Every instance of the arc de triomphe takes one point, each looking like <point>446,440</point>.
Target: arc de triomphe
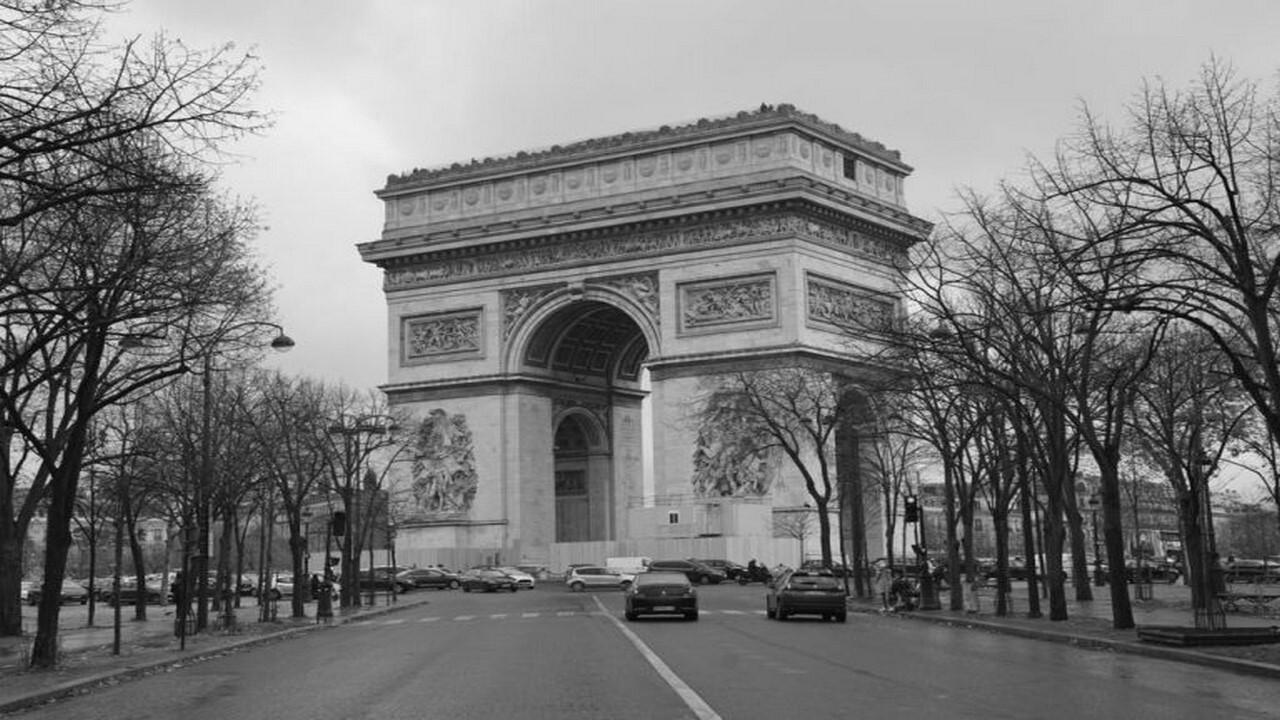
<point>553,317</point>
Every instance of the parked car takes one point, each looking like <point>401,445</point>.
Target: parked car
<point>806,592</point>
<point>730,569</point>
<point>72,592</point>
<point>487,581</point>
<point>430,578</point>
<point>661,593</point>
<point>695,571</point>
<point>524,580</point>
<point>24,593</point>
<point>1241,570</point>
<point>382,577</point>
<point>129,593</point>
<point>283,585</point>
<point>583,577</point>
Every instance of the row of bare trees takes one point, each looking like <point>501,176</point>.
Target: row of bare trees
<point>111,230</point>
<point>1119,303</point>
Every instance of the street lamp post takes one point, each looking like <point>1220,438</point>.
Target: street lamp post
<point>1097,556</point>
<point>280,343</point>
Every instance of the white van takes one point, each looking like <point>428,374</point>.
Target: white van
<point>630,565</point>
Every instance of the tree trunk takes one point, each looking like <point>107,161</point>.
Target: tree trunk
<point>1113,533</point>
<point>58,540</point>
<point>1079,565</point>
<point>953,545</point>
<point>824,531</point>
<point>12,541</point>
<point>1003,586</point>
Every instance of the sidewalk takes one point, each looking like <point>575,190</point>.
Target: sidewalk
<point>1089,624</point>
<point>146,646</point>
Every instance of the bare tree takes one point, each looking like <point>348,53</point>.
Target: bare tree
<point>797,412</point>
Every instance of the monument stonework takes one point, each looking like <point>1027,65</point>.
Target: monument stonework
<point>553,317</point>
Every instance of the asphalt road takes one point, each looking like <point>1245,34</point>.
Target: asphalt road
<point>549,653</point>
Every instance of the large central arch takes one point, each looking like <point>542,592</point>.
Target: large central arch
<point>557,314</point>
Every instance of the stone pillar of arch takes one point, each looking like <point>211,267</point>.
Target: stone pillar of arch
<point>606,284</point>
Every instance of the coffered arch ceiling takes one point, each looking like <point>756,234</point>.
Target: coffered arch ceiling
<point>589,339</point>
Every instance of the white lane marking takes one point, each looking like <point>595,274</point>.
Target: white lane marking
<point>499,616</point>
<point>429,619</point>
<point>733,612</point>
<point>393,622</point>
<point>464,617</point>
<point>691,698</point>
<point>570,613</point>
<point>529,615</point>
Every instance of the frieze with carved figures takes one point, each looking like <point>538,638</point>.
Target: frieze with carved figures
<point>641,243</point>
<point>727,302</point>
<point>846,307</point>
<point>442,336</point>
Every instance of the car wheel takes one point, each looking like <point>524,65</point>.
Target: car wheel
<point>577,587</point>
<point>454,584</point>
<point>781,613</point>
<point>466,588</point>
<point>515,588</point>
<point>693,616</point>
<point>841,617</point>
<point>630,615</point>
<point>770,614</point>
<point>703,579</point>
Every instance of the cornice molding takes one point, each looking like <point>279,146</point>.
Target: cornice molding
<point>766,117</point>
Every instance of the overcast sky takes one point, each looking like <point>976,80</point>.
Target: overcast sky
<point>365,89</point>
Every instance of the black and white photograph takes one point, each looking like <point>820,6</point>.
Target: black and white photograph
<point>633,359</point>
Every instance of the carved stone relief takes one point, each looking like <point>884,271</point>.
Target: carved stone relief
<point>441,335</point>
<point>632,244</point>
<point>518,301</point>
<point>444,472</point>
<point>641,287</point>
<point>847,307</point>
<point>732,301</point>
<point>728,460</point>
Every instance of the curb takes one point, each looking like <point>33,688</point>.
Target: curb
<point>147,667</point>
<point>1123,646</point>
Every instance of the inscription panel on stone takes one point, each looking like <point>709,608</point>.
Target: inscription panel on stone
<point>844,307</point>
<point>437,337</point>
<point>727,304</point>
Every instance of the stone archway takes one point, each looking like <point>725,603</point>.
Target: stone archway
<point>530,297</point>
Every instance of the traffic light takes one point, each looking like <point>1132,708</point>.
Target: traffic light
<point>339,523</point>
<point>911,512</point>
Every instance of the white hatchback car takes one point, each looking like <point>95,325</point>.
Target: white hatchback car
<point>524,580</point>
<point>584,577</point>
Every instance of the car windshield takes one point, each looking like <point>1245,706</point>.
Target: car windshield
<point>662,578</point>
<point>813,582</point>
